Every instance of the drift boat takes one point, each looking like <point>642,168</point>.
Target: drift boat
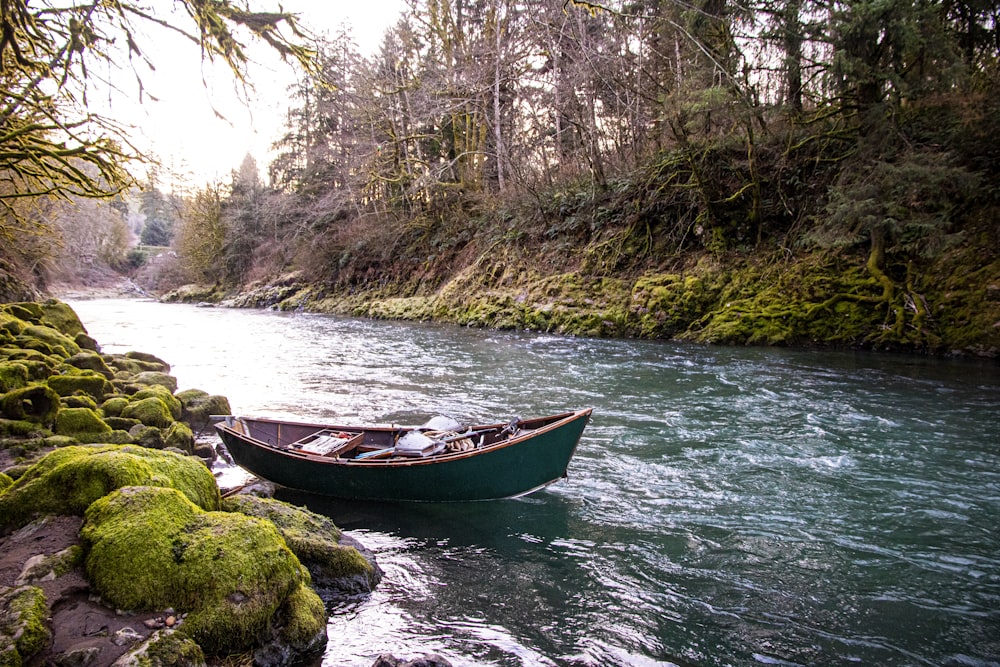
<point>435,462</point>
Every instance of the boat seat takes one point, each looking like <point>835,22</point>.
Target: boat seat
<point>326,442</point>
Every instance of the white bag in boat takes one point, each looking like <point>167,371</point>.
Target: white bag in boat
<point>415,443</point>
<point>442,423</point>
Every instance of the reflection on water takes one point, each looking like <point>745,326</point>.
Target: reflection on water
<point>726,506</point>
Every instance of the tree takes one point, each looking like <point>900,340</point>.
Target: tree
<point>51,55</point>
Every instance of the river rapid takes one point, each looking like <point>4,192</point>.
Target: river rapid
<point>726,506</point>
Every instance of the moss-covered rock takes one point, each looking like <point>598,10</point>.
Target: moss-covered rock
<point>199,406</point>
<point>78,401</point>
<point>147,436</point>
<point>85,342</point>
<point>155,363</point>
<point>121,423</point>
<point>315,539</point>
<point>114,406</point>
<point>151,411</point>
<point>5,481</point>
<point>62,317</point>
<point>35,403</point>
<point>13,375</point>
<point>91,361</point>
<point>84,382</point>
<point>18,427</point>
<point>164,648</point>
<point>179,436</point>
<point>151,548</point>
<point>67,480</point>
<point>74,421</point>
<point>23,624</point>
<point>48,341</point>
<point>163,393</point>
<point>157,378</point>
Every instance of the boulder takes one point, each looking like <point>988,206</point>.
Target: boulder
<point>334,562</point>
<point>163,393</point>
<point>73,421</point>
<point>13,375</point>
<point>150,548</point>
<point>164,648</point>
<point>48,341</point>
<point>151,411</point>
<point>92,361</point>
<point>156,378</point>
<point>199,406</point>
<point>83,382</point>
<point>67,480</point>
<point>114,406</point>
<point>179,436</point>
<point>35,403</point>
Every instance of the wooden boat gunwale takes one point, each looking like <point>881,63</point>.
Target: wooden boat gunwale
<point>558,420</point>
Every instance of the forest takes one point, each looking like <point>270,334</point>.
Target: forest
<point>768,172</point>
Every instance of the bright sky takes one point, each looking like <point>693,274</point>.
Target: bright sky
<point>180,125</point>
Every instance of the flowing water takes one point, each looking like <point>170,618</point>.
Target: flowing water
<point>726,506</point>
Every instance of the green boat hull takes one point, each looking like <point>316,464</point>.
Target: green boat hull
<point>517,466</point>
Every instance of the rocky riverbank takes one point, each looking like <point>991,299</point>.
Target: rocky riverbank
<point>116,546</point>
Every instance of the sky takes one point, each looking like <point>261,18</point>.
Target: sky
<point>181,125</point>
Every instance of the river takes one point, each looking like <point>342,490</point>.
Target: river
<point>727,506</point>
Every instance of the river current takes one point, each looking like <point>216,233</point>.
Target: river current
<point>726,506</point>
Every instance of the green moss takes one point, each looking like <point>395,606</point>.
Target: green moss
<point>18,428</point>
<point>71,421</point>
<point>91,361</point>
<point>165,649</point>
<point>151,411</point>
<point>84,382</point>
<point>147,436</point>
<point>78,401</point>
<point>34,403</point>
<point>121,423</point>
<point>5,481</point>
<point>26,311</point>
<point>62,317</point>
<point>114,406</point>
<point>198,407</point>
<point>154,362</point>
<point>163,393</point>
<point>179,436</point>
<point>67,480</point>
<point>13,375</point>
<point>158,379</point>
<point>150,548</point>
<point>47,340</point>
<point>23,630</point>
<point>314,539</point>
<point>85,342</point>
<point>10,322</point>
<point>303,618</point>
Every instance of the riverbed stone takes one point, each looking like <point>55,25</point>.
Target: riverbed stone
<point>151,548</point>
<point>68,480</point>
<point>47,340</point>
<point>179,436</point>
<point>156,378</point>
